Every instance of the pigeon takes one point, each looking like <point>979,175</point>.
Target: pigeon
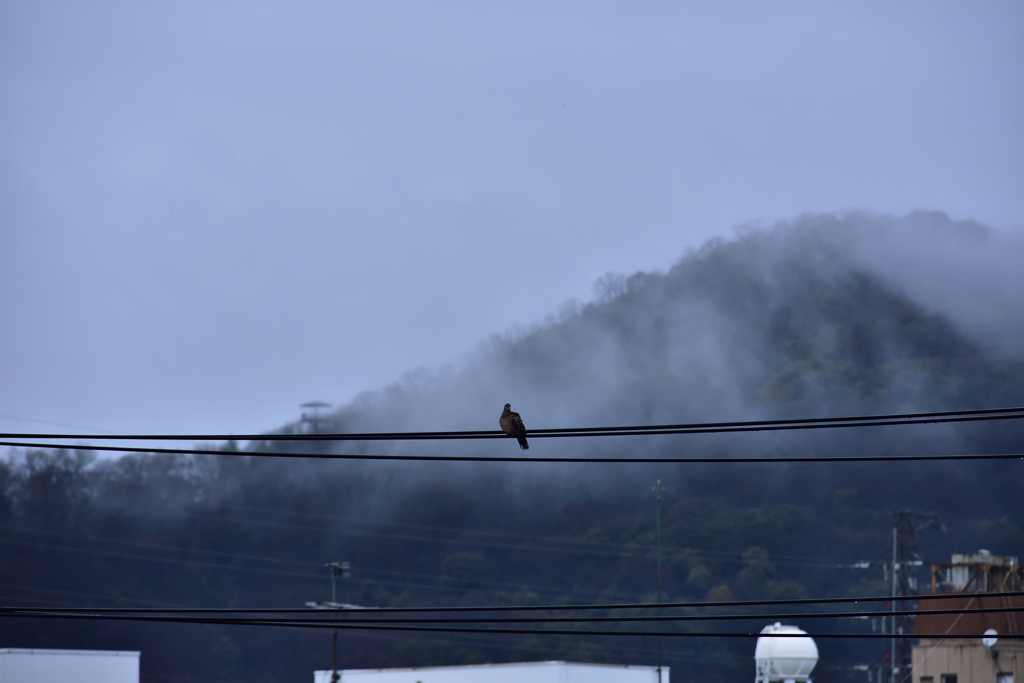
<point>513,425</point>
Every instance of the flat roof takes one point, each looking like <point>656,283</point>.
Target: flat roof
<point>549,662</point>
<point>42,651</point>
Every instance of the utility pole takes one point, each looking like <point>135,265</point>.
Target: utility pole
<point>343,570</point>
<point>658,488</point>
<point>900,572</point>
<point>892,619</point>
<point>903,569</point>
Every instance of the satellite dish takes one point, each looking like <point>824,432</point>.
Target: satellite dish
<point>990,637</point>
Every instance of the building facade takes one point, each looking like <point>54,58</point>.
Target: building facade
<point>956,660</point>
<point>960,656</point>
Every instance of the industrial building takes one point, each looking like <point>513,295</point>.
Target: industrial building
<point>68,666</point>
<point>958,659</point>
<point>533,672</point>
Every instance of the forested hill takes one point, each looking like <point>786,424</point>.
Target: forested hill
<point>824,315</point>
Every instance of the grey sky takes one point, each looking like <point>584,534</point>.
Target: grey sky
<point>210,213</point>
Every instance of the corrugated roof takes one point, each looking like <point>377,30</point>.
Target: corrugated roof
<point>1005,623</point>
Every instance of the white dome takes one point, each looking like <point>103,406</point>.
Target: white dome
<point>784,658</point>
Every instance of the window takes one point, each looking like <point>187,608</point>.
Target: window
<point>948,678</point>
<point>1004,678</point>
<point>927,679</point>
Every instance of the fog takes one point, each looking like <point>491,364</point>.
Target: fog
<point>771,322</point>
<point>212,214</point>
<point>809,317</point>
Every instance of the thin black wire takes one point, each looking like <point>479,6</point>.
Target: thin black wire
<point>452,629</point>
<point>632,430</point>
<point>523,541</point>
<point>487,458</point>
<point>552,608</point>
<point>338,616</point>
<point>669,618</point>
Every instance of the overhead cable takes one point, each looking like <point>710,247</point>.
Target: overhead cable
<point>521,458</point>
<point>562,608</point>
<point>23,613</point>
<point>631,430</point>
<point>339,616</point>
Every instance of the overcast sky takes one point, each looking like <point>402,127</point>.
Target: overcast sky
<point>212,212</point>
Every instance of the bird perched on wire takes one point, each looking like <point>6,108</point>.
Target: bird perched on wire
<point>513,425</point>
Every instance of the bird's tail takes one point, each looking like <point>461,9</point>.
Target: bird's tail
<point>522,443</point>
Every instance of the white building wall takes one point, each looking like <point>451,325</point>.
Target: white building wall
<point>529,672</point>
<point>68,666</point>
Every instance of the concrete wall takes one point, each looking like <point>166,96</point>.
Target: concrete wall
<point>68,666</point>
<point>970,660</point>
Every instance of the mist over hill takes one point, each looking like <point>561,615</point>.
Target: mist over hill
<point>823,315</point>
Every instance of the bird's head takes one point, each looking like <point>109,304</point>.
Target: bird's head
<point>508,406</point>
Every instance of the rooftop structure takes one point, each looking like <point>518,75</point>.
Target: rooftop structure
<point>980,571</point>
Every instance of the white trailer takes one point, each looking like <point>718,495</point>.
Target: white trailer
<point>68,666</point>
<point>525,672</point>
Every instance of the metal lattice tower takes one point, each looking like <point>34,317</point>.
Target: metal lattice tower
<point>313,414</point>
<point>902,575</point>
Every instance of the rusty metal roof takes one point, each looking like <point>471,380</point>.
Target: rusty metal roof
<point>1005,623</point>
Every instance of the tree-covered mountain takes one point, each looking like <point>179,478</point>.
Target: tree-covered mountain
<point>824,315</point>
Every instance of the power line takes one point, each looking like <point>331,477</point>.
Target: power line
<point>199,562</point>
<point>536,608</point>
<point>338,616</point>
<point>677,655</point>
<point>526,542</point>
<point>20,418</point>
<point>631,430</point>
<point>540,459</point>
<point>668,618</point>
<point>493,589</point>
<point>148,545</point>
<point>165,560</point>
<point>452,629</point>
<point>56,592</point>
<point>494,585</point>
